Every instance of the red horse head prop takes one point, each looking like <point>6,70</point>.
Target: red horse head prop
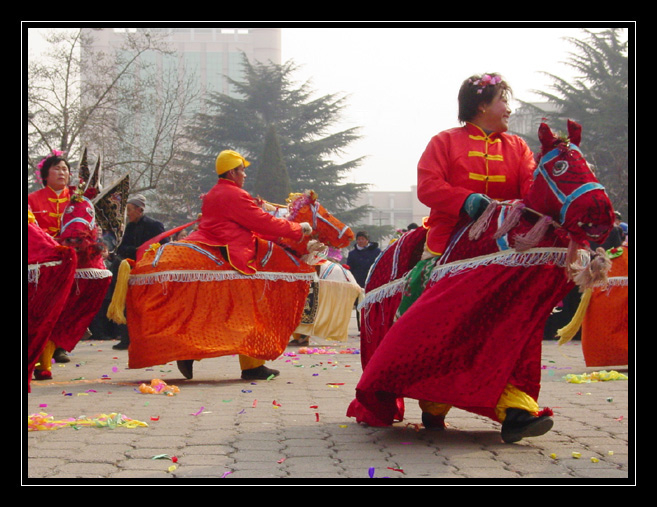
<point>327,229</point>
<point>566,189</point>
<point>79,229</point>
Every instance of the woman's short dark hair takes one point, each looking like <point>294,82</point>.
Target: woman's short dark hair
<point>478,90</point>
<point>48,163</point>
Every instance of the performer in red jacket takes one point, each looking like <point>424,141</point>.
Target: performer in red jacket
<point>232,219</point>
<point>462,168</point>
<point>460,171</point>
<point>48,204</point>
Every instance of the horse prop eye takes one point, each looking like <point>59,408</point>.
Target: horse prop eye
<point>560,167</point>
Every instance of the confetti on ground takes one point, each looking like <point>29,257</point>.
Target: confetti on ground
<point>326,350</point>
<point>158,387</point>
<point>596,376</point>
<point>43,421</point>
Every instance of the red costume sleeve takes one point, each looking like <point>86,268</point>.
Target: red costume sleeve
<point>434,176</point>
<point>461,161</point>
<point>247,214</point>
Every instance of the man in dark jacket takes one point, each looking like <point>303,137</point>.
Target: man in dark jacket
<point>362,257</point>
<point>140,229</point>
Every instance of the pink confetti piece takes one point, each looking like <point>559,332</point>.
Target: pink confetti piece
<point>199,411</point>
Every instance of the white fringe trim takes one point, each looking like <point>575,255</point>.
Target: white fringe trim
<point>383,292</point>
<point>618,281</point>
<point>510,258</point>
<point>217,276</point>
<point>92,274</point>
<point>34,270</point>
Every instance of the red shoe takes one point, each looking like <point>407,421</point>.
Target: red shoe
<point>42,375</point>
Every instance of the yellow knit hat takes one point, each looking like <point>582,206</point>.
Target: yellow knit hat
<point>229,159</point>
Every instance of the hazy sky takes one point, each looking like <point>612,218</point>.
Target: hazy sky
<point>403,82</point>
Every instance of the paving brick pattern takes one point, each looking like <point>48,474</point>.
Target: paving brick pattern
<point>294,427</point>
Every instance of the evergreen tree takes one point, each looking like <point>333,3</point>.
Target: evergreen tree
<point>598,99</point>
<point>266,96</point>
<point>272,182</point>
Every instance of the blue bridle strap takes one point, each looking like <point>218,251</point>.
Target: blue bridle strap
<point>565,200</point>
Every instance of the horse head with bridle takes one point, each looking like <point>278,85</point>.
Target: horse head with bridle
<point>327,229</point>
<point>566,202</point>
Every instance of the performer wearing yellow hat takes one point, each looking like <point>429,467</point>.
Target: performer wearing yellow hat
<point>225,301</point>
<point>231,219</point>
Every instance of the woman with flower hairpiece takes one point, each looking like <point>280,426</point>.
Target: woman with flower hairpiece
<point>461,170</point>
<point>48,204</point>
<point>67,215</point>
<point>464,167</point>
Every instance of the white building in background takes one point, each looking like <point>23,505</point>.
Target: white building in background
<point>398,209</point>
<point>212,53</point>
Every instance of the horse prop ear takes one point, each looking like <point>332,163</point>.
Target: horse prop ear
<point>83,168</point>
<point>574,132</point>
<point>546,137</point>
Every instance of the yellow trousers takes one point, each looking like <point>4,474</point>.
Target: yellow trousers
<point>45,359</point>
<point>247,363</point>
<point>511,397</point>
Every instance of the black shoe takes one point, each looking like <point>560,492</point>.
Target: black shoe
<point>433,422</point>
<point>519,424</point>
<point>60,356</point>
<point>303,339</point>
<point>121,346</point>
<point>186,367</point>
<point>259,373</point>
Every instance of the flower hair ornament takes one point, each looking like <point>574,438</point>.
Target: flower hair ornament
<point>486,80</point>
<point>55,153</point>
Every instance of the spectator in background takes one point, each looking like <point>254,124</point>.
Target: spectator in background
<point>361,258</point>
<point>140,229</point>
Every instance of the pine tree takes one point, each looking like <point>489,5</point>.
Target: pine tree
<point>272,182</point>
<point>598,99</point>
<point>267,96</point>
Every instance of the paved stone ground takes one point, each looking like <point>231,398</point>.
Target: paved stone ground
<point>294,427</point>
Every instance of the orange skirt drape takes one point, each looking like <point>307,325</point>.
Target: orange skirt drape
<point>186,302</point>
<point>605,324</point>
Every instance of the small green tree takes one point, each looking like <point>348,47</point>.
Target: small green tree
<point>272,182</point>
<point>598,99</point>
<point>267,96</point>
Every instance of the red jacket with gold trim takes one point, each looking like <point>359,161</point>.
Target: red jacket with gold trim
<point>48,208</point>
<point>231,218</point>
<point>465,160</point>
